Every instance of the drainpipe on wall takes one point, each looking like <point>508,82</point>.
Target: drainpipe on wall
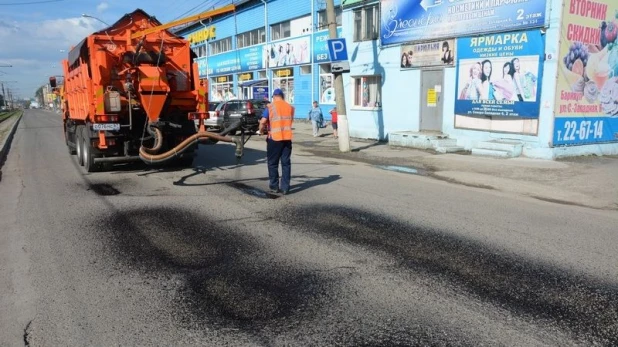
<point>266,38</point>
<point>311,53</point>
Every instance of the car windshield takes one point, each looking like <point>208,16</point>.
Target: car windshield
<point>212,106</point>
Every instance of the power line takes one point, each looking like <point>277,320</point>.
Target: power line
<point>189,11</point>
<point>28,3</point>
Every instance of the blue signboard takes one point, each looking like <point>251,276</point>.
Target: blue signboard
<point>260,92</point>
<point>320,46</point>
<point>245,59</point>
<point>412,20</point>
<point>585,130</point>
<point>500,74</point>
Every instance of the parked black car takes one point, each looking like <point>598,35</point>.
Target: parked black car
<point>248,112</point>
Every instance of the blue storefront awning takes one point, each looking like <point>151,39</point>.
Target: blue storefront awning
<point>253,82</point>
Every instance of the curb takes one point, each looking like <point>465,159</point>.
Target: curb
<point>7,143</point>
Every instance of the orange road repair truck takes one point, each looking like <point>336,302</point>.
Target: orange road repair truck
<point>132,92</point>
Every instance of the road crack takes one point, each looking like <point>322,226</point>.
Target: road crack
<point>27,334</point>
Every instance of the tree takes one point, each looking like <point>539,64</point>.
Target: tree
<point>39,95</point>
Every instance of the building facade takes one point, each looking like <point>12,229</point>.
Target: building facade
<point>542,74</point>
<point>265,45</point>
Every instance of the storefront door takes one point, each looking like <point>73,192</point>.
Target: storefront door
<point>246,93</point>
<point>431,100</point>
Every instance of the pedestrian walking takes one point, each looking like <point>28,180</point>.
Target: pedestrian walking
<point>277,122</point>
<point>333,115</point>
<point>316,118</point>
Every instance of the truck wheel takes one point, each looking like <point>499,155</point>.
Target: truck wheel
<point>79,145</point>
<point>89,164</point>
<point>72,150</point>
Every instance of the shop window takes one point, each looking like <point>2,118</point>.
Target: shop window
<point>221,46</point>
<point>261,74</point>
<point>323,22</point>
<point>280,30</point>
<point>221,88</point>
<point>305,70</point>
<point>284,80</point>
<point>366,23</point>
<point>324,69</point>
<point>327,85</point>
<point>367,91</point>
<point>250,38</point>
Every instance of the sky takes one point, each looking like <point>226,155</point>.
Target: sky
<point>35,35</point>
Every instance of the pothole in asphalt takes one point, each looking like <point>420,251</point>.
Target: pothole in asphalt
<point>402,169</point>
<point>104,189</point>
<point>252,191</point>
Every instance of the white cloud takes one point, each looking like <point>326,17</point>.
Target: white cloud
<point>34,48</point>
<point>102,7</point>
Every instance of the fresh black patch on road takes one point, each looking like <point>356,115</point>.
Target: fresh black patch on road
<point>540,292</point>
<point>229,279</point>
<point>252,190</point>
<point>104,189</point>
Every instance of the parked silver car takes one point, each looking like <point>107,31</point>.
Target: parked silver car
<point>215,118</point>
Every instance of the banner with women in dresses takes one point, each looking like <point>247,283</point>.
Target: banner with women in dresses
<point>500,74</point>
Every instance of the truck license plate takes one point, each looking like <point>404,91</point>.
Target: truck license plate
<point>106,126</point>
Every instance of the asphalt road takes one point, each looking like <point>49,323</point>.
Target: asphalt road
<point>354,256</point>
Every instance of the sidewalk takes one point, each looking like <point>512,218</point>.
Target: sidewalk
<point>583,181</point>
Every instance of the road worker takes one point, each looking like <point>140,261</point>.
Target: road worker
<point>277,122</point>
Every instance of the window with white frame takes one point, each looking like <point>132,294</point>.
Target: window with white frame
<point>251,38</point>
<point>367,23</point>
<point>367,91</point>
<point>280,30</point>
<point>323,21</point>
<point>200,50</point>
<point>305,70</point>
<point>221,46</point>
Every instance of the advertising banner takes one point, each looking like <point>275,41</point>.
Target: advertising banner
<point>320,46</point>
<point>414,20</point>
<point>587,88</point>
<point>500,74</point>
<point>244,59</point>
<point>436,53</point>
<point>289,52</point>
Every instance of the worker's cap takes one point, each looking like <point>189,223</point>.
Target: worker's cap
<point>278,92</point>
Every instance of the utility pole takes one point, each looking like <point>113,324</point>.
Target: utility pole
<point>342,118</point>
<point>3,95</point>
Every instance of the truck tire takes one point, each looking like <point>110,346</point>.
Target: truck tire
<point>88,151</point>
<point>72,150</point>
<point>79,144</point>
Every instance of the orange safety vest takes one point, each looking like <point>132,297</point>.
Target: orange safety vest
<point>280,118</point>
